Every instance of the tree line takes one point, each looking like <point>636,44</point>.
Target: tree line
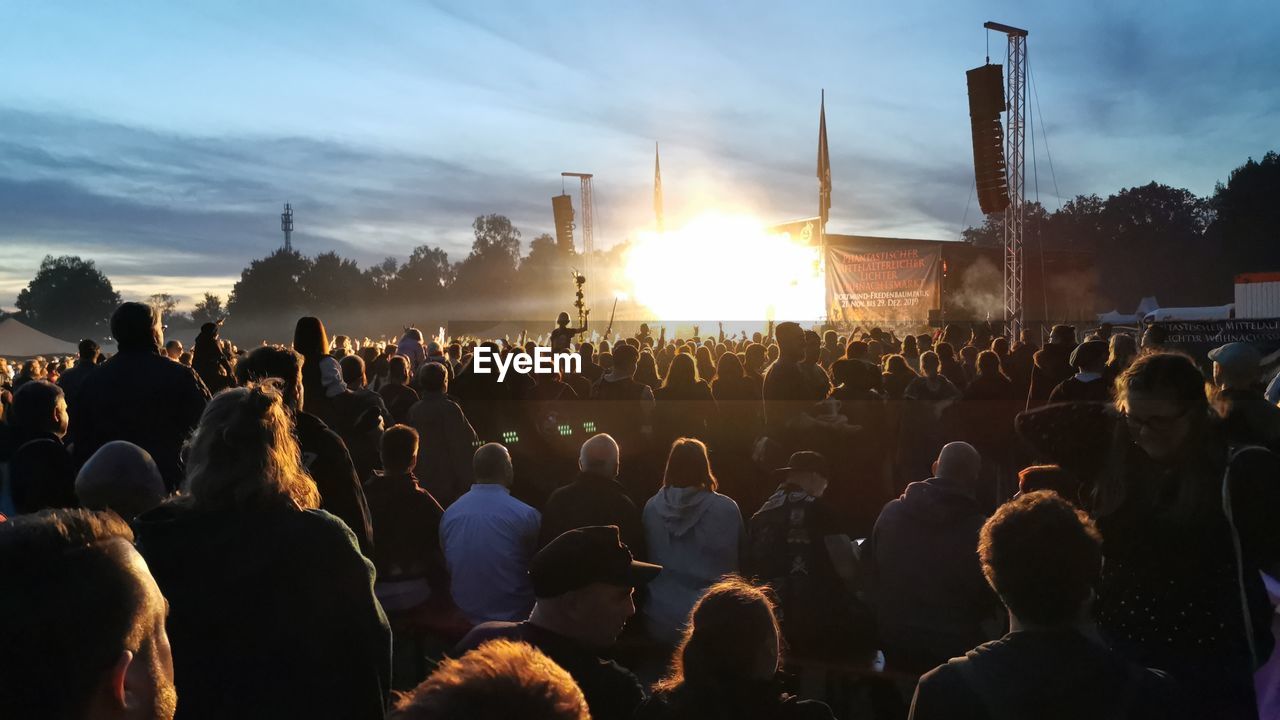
<point>1149,240</point>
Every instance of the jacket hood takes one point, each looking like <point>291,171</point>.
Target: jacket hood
<point>939,501</point>
<point>681,508</point>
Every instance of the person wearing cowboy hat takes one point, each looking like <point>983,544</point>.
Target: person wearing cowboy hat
<point>798,544</point>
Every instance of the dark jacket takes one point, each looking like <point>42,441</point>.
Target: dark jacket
<point>406,529</point>
<point>41,472</point>
<point>612,691</point>
<point>1073,389</point>
<point>325,456</point>
<point>143,397</point>
<point>272,614</point>
<point>399,399</point>
<point>921,565</point>
<point>448,442</point>
<point>1052,366</point>
<point>1052,674</point>
<point>592,500</point>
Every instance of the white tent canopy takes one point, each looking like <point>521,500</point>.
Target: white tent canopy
<point>20,341</point>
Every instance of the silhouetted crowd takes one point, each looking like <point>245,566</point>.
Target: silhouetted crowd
<point>787,525</point>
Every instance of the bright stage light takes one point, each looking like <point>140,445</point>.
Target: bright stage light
<point>725,268</point>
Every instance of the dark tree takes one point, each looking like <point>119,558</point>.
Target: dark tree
<point>271,286</point>
<point>424,276</point>
<point>1248,216</point>
<point>68,298</point>
<point>489,272</point>
<point>333,283</point>
<point>209,309</point>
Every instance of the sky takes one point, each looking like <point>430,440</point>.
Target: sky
<point>161,139</point>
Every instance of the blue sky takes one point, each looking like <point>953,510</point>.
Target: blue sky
<point>161,138</point>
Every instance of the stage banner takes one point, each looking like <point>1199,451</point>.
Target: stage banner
<point>890,281</point>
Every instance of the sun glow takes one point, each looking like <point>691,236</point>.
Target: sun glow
<point>725,268</point>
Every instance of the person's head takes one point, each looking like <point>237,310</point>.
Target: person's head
<point>625,358</point>
<point>1063,335</point>
<point>755,357</point>
<point>1000,345</point>
<point>969,355</point>
<point>310,338</point>
<point>587,350</point>
<point>173,349</point>
<point>605,360</point>
<point>808,471</point>
<point>958,462</point>
<point>1042,557</point>
<point>82,621</point>
<point>1236,366</point>
<point>909,346</point>
<point>89,351</point>
<point>1124,348</point>
<point>584,582</point>
<point>39,407</point>
<point>688,465</point>
<point>562,320</point>
<point>945,352</point>
<point>732,639</point>
<point>989,364</point>
<point>1048,477</point>
<point>1090,356</point>
<point>772,353</point>
<point>1027,337</point>
<point>353,371</point>
<point>929,363</point>
<point>434,378</point>
<point>790,340</point>
<point>491,465</point>
<point>398,370</point>
<point>1162,397</point>
<point>856,350</point>
<point>243,454</point>
<point>121,477</point>
<point>682,373</point>
<point>1104,331</point>
<point>729,367</point>
<point>274,362</point>
<point>1155,336</point>
<point>399,449</point>
<point>136,326</point>
<point>924,341</point>
<point>599,456</point>
<point>499,680</point>
<point>812,346</point>
<point>897,365</point>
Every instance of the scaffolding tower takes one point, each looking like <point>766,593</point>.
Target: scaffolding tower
<point>588,242</point>
<point>1015,167</point>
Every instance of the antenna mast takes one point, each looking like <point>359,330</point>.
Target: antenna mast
<point>286,225</point>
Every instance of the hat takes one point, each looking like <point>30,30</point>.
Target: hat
<point>1237,356</point>
<point>1089,352</point>
<point>584,556</point>
<point>806,461</point>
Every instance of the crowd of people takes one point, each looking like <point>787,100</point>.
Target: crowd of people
<point>786,525</point>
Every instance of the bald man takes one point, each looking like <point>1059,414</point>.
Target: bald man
<point>921,563</point>
<point>488,539</point>
<point>594,497</point>
<point>122,477</point>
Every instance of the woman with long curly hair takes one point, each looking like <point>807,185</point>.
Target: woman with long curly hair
<point>272,605</point>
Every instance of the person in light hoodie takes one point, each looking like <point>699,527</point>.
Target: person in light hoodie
<point>694,532</point>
